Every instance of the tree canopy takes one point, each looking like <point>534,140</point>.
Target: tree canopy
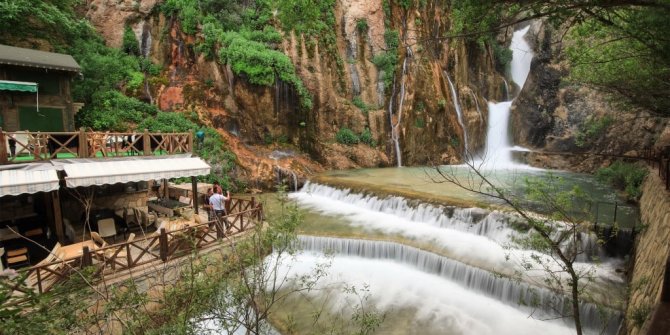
<point>618,46</point>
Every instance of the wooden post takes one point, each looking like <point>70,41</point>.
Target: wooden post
<point>616,206</point>
<point>3,147</point>
<point>58,216</point>
<point>166,186</point>
<point>147,143</point>
<point>194,187</point>
<point>219,228</point>
<point>83,144</point>
<point>163,243</point>
<point>190,142</point>
<point>665,291</point>
<point>253,202</point>
<point>86,257</point>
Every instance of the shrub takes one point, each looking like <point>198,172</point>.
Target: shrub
<point>592,128</point>
<point>627,177</point>
<point>358,102</point>
<point>419,123</point>
<point>366,137</point>
<point>130,44</point>
<point>362,25</point>
<point>347,136</point>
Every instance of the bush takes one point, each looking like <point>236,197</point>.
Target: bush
<point>130,44</point>
<point>358,102</point>
<point>347,136</point>
<point>111,110</point>
<point>592,128</point>
<point>362,25</point>
<point>366,137</point>
<point>627,177</point>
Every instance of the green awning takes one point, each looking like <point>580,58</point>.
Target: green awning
<point>21,86</point>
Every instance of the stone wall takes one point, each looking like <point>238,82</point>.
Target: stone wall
<point>73,209</point>
<point>652,251</point>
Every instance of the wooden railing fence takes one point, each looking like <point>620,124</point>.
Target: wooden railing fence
<point>160,246</point>
<point>39,146</point>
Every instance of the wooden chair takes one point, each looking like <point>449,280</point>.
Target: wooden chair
<point>97,143</point>
<point>107,228</point>
<point>34,232</point>
<point>46,277</point>
<point>185,200</point>
<point>98,240</point>
<point>17,258</point>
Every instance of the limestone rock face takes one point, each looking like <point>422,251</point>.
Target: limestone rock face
<point>258,121</point>
<point>552,117</point>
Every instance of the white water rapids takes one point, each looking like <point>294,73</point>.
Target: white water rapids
<point>471,241</point>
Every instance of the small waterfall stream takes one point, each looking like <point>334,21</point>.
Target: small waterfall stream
<point>506,89</point>
<point>395,126</point>
<point>459,113</point>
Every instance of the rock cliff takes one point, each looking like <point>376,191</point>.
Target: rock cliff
<point>552,115</point>
<point>259,120</point>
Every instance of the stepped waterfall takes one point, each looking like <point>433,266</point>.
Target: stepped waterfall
<point>449,269</point>
<point>460,249</point>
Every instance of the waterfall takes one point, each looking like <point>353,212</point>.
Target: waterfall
<point>510,292</point>
<point>459,113</point>
<point>506,89</point>
<point>498,153</point>
<point>145,40</point>
<point>479,111</point>
<point>395,127</point>
<point>490,224</point>
<point>282,173</point>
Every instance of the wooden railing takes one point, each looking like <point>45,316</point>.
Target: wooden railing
<point>160,246</point>
<point>24,146</point>
<point>663,163</point>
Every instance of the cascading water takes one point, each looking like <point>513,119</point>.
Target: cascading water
<point>506,89</point>
<point>479,111</point>
<point>508,291</point>
<point>395,126</point>
<point>469,241</point>
<point>459,113</point>
<point>498,153</point>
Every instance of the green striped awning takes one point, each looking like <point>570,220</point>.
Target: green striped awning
<point>21,86</point>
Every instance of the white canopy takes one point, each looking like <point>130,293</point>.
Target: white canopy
<point>20,181</point>
<point>123,171</point>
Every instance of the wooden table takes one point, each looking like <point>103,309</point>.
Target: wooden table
<point>76,250</point>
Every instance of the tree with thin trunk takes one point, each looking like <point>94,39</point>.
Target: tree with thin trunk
<point>555,237</point>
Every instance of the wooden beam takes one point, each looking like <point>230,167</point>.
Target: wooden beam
<point>58,216</point>
<point>3,147</point>
<point>194,186</point>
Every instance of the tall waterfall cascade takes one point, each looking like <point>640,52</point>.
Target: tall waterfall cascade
<point>498,153</point>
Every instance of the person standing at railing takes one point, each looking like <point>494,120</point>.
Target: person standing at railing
<point>208,207</point>
<point>218,203</point>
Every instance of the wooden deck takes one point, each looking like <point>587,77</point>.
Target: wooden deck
<point>26,146</point>
<point>179,239</point>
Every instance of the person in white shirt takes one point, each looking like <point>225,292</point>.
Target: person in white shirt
<point>218,204</point>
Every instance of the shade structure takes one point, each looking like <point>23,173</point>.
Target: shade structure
<point>123,171</point>
<point>19,86</point>
<point>18,181</point>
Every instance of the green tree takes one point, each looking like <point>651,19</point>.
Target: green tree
<point>554,238</point>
